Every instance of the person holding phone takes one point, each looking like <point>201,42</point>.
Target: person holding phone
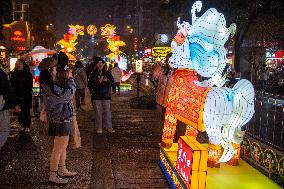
<point>100,83</point>
<point>58,88</point>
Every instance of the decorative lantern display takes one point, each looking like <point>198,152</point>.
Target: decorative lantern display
<point>68,42</point>
<point>76,29</point>
<point>113,40</point>
<point>108,31</point>
<point>198,48</point>
<point>92,31</point>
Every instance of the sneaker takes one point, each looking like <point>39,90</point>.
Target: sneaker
<point>54,178</point>
<point>27,130</point>
<point>22,129</point>
<point>99,131</point>
<point>63,172</point>
<point>111,130</point>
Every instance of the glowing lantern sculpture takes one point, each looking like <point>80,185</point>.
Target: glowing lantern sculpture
<point>92,31</point>
<point>76,29</point>
<point>108,31</point>
<point>198,48</point>
<point>113,40</point>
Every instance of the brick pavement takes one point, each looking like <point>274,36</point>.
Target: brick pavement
<point>125,159</point>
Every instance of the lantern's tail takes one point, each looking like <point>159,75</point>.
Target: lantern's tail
<point>242,96</point>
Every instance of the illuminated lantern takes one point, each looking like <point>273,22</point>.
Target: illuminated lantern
<point>108,31</point>
<point>76,30</point>
<point>198,48</point>
<point>92,30</point>
<point>135,44</point>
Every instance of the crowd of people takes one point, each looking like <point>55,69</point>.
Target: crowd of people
<point>59,84</point>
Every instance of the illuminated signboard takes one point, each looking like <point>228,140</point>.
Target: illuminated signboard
<point>147,52</point>
<point>139,66</point>
<point>18,36</point>
<point>161,51</point>
<point>135,44</point>
<point>184,161</point>
<point>2,55</point>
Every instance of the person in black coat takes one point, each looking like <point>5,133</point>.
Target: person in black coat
<point>22,84</point>
<point>7,101</point>
<point>100,83</point>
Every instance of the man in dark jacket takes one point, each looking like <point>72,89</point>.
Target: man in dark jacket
<point>7,101</point>
<point>100,83</point>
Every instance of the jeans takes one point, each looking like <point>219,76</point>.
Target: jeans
<point>4,126</point>
<point>116,84</point>
<point>103,114</point>
<point>80,97</point>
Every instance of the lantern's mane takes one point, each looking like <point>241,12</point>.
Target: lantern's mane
<point>200,45</point>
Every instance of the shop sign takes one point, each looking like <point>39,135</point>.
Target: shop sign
<point>161,51</point>
<point>147,52</point>
<point>18,36</point>
<point>139,66</point>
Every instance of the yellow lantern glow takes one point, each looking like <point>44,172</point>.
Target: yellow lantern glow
<point>92,30</point>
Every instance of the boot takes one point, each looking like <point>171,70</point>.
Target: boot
<point>56,179</point>
<point>63,172</point>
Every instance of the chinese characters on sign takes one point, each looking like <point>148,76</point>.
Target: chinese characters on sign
<point>161,51</point>
<point>184,161</point>
<point>139,66</point>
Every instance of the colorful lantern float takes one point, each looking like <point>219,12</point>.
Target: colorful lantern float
<point>198,48</point>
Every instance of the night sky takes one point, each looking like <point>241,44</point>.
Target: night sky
<point>83,12</point>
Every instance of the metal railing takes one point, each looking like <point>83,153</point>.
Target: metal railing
<point>267,124</point>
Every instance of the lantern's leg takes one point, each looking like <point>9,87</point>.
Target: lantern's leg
<point>214,154</point>
<point>169,130</point>
<point>191,131</point>
<point>235,159</point>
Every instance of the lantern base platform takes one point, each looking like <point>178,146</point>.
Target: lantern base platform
<point>242,176</point>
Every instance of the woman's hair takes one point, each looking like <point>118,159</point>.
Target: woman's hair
<point>98,59</point>
<point>167,67</point>
<point>62,77</point>
<point>19,60</point>
<point>78,64</point>
<point>46,78</point>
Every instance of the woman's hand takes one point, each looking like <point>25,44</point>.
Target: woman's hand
<point>100,78</point>
<point>105,79</point>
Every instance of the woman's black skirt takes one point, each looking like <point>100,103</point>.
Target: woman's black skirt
<point>60,129</point>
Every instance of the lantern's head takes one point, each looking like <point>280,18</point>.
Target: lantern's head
<point>200,46</point>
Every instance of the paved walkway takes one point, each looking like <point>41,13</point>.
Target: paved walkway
<point>125,159</point>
